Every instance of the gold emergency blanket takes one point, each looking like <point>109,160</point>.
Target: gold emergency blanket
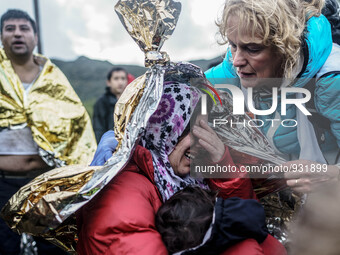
<point>39,204</point>
<point>59,122</point>
<point>46,206</point>
<point>149,23</point>
<point>53,198</point>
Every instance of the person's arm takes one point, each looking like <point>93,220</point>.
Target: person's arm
<point>234,184</point>
<point>308,178</point>
<point>240,219</point>
<point>121,219</point>
<point>251,246</point>
<point>229,183</point>
<point>105,149</point>
<point>327,101</point>
<point>304,175</point>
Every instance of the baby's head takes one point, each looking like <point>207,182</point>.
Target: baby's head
<point>184,219</point>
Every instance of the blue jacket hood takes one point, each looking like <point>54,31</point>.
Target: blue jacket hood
<point>317,45</point>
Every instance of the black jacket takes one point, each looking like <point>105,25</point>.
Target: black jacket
<point>103,113</point>
<point>235,220</point>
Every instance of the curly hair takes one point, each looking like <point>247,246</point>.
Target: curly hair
<point>184,219</point>
<point>279,23</point>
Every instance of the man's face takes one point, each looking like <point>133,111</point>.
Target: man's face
<point>118,82</point>
<point>18,37</point>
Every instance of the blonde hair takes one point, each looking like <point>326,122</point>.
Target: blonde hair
<point>279,23</point>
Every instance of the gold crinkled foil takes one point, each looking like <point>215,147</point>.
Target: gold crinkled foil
<point>149,23</point>
<point>281,208</point>
<point>45,207</point>
<point>59,122</point>
<point>37,207</point>
<point>126,105</point>
<point>279,201</point>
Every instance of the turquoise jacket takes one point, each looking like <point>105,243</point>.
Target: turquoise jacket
<point>322,59</point>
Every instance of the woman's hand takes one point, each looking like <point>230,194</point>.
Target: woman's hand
<point>306,176</point>
<point>208,139</point>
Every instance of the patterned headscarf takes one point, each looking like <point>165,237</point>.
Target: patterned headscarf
<point>162,134</point>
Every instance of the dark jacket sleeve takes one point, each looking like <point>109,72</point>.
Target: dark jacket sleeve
<point>239,219</point>
<point>99,119</point>
<point>236,220</point>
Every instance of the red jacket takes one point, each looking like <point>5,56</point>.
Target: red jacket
<point>121,218</point>
<point>241,186</point>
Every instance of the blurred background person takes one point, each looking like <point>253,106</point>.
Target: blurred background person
<point>116,81</point>
<point>318,227</point>
<point>43,123</point>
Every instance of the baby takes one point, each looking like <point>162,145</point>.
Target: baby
<point>195,221</point>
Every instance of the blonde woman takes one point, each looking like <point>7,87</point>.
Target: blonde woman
<point>287,39</point>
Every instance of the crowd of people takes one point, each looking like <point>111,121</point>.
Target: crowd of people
<point>154,206</point>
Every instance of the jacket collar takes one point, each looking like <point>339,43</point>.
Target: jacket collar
<point>108,92</point>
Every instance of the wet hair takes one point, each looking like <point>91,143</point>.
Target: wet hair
<point>278,23</point>
<point>115,69</point>
<point>184,219</point>
<point>17,14</point>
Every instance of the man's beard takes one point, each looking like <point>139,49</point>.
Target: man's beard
<point>19,52</point>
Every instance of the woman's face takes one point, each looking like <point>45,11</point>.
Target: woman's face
<point>252,60</point>
<point>185,151</point>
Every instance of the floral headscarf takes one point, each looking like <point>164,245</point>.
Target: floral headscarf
<point>162,134</point>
